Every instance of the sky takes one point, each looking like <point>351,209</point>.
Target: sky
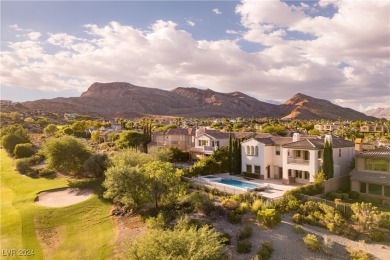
<point>269,49</point>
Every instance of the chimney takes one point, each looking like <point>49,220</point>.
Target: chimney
<point>358,145</point>
<point>328,138</point>
<point>296,137</point>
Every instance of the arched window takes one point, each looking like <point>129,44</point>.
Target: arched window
<point>256,151</point>
<point>252,150</point>
<point>248,150</point>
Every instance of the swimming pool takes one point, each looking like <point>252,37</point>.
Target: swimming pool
<point>244,185</point>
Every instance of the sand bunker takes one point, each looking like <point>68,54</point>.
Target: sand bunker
<point>63,197</point>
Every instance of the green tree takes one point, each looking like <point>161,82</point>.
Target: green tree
<point>129,139</point>
<point>95,136</point>
<point>314,132</point>
<point>182,242</point>
<point>131,158</point>
<point>50,129</point>
<point>68,131</point>
<point>327,166</point>
<point>163,181</point>
<point>15,116</point>
<point>97,164</point>
<point>24,150</point>
<point>66,154</point>
<point>127,185</point>
<point>9,142</point>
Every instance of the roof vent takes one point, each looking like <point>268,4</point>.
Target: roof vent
<point>296,137</point>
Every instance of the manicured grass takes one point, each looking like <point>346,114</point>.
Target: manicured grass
<point>80,231</point>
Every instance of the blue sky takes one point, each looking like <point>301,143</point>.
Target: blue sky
<point>336,50</point>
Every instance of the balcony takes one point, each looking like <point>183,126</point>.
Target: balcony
<point>209,149</point>
<point>291,160</point>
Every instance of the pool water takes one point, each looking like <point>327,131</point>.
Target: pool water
<point>238,184</point>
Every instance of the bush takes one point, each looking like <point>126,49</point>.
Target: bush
<point>201,202</point>
<point>96,164</point>
<point>269,217</point>
<point>384,221</point>
<point>256,206</point>
<point>158,222</point>
<point>9,142</point>
<point>243,208</point>
<point>230,204</point>
<point>226,237</point>
<point>298,229</point>
<point>298,218</point>
<point>265,251</point>
<point>234,217</point>
<point>24,150</point>
<point>312,243</point>
<point>44,172</point>
<point>244,246</point>
<point>376,235</point>
<point>245,233</point>
<point>23,166</point>
<point>354,195</point>
<point>251,175</point>
<point>356,254</point>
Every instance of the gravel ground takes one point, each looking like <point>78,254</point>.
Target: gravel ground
<point>289,245</point>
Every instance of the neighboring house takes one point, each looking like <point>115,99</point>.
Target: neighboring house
<point>183,138</point>
<point>371,176</point>
<point>302,159</point>
<point>207,141</point>
<point>372,128</point>
<point>327,127</point>
<point>70,116</point>
<point>262,155</point>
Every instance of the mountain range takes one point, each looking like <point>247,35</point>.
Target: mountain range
<point>379,112</point>
<point>120,99</point>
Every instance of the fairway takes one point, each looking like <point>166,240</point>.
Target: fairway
<point>81,231</point>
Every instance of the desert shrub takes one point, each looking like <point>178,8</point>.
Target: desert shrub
<point>269,217</point>
<point>24,150</point>
<point>44,172</point>
<point>243,208</point>
<point>298,229</point>
<point>265,251</point>
<point>256,206</point>
<point>237,198</point>
<point>366,215</point>
<point>23,166</point>
<point>201,202</point>
<point>334,195</point>
<point>244,246</point>
<point>230,204</point>
<point>226,237</point>
<point>245,233</point>
<point>96,164</point>
<point>327,246</point>
<point>219,210</point>
<point>376,235</point>
<point>353,195</point>
<point>308,189</point>
<point>312,243</point>
<point>157,222</point>
<point>234,217</point>
<point>35,159</point>
<point>297,218</point>
<point>384,221</point>
<point>356,254</point>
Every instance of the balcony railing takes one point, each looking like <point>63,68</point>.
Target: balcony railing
<point>209,149</point>
<point>297,161</point>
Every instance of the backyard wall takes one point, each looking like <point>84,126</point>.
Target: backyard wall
<point>337,183</point>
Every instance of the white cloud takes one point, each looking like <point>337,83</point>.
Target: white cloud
<point>190,23</point>
<point>16,27</point>
<point>34,36</point>
<point>216,11</point>
<point>164,56</point>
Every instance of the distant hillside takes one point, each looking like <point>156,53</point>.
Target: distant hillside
<point>119,99</point>
<point>379,113</point>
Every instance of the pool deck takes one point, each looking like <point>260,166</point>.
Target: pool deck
<point>275,188</point>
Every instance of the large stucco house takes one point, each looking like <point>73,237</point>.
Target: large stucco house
<point>371,176</point>
<point>293,159</point>
<point>183,138</point>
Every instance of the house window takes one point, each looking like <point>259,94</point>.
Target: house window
<point>339,152</point>
<point>257,169</point>
<point>249,168</point>
<point>256,151</point>
<point>376,165</point>
<point>277,150</point>
<point>380,165</point>
<point>319,154</point>
<point>202,142</point>
<point>363,187</point>
<point>299,174</point>
<point>289,173</point>
<point>387,191</point>
<point>307,175</point>
<point>248,152</point>
<point>252,150</point>
<point>212,143</point>
<point>298,153</point>
<point>306,155</point>
<point>375,189</point>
